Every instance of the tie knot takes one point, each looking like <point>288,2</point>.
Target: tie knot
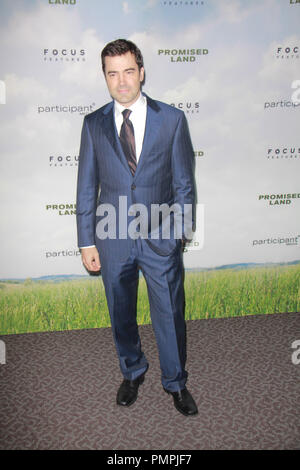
<point>126,113</point>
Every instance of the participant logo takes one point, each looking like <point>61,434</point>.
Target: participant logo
<point>279,241</point>
<point>282,104</point>
<point>72,109</point>
<point>61,253</point>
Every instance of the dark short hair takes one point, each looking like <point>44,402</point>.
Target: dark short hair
<point>120,47</point>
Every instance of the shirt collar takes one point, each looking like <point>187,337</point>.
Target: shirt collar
<point>138,104</point>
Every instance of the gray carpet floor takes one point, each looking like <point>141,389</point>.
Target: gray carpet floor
<point>58,390</point>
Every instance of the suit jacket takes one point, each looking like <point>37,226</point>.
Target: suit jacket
<point>164,175</point>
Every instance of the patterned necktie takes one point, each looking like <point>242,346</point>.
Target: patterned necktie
<point>128,141</point>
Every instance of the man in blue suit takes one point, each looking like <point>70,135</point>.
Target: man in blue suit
<point>137,152</point>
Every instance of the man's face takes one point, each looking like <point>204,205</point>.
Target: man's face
<point>123,78</point>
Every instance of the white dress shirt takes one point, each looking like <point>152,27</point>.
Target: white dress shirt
<point>138,118</point>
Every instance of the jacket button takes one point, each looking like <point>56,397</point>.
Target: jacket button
<point>133,186</point>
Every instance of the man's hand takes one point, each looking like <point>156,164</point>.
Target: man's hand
<point>90,258</point>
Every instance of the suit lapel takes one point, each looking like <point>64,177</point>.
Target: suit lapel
<point>109,128</point>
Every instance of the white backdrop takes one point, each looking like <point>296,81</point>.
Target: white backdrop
<point>230,65</point>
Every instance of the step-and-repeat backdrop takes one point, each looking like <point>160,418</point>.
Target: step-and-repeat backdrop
<point>232,66</point>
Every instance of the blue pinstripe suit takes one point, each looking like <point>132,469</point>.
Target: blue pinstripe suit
<point>164,174</point>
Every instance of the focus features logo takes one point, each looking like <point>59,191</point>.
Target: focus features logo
<point>63,160</point>
<point>64,55</point>
<point>189,107</point>
<point>182,3</point>
<point>287,52</point>
<point>283,152</point>
<point>62,2</point>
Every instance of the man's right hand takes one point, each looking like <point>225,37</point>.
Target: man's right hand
<point>90,258</point>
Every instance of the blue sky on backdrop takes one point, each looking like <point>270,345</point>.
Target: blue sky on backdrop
<point>231,84</point>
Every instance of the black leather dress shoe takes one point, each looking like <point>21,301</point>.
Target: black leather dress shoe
<point>128,391</point>
<point>184,402</point>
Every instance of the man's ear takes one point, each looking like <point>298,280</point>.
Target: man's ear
<point>142,74</point>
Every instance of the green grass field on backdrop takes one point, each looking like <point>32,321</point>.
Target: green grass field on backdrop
<point>33,306</point>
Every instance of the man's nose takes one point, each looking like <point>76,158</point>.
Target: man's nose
<point>122,80</point>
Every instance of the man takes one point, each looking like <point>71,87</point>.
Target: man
<point>138,152</point>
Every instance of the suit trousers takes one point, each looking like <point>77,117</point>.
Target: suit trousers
<point>164,279</point>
